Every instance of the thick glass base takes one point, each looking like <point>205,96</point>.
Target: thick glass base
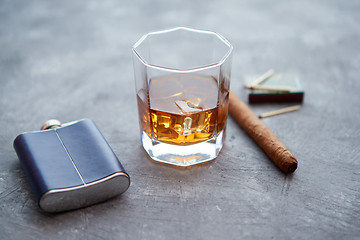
<point>183,155</point>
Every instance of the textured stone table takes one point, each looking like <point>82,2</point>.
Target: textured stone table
<point>72,59</point>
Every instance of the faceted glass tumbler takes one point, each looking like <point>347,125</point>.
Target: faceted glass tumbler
<point>182,79</point>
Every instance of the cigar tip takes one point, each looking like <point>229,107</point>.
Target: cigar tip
<point>292,167</point>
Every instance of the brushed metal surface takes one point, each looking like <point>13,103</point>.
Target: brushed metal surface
<point>57,200</point>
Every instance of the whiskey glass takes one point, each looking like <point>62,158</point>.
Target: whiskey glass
<point>182,80</point>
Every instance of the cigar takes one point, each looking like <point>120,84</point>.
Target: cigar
<point>262,135</point>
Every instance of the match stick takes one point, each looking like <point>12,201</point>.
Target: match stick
<point>280,111</point>
<point>262,135</point>
<point>263,77</point>
<point>270,88</point>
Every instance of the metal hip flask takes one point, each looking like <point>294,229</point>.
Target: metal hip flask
<point>70,165</point>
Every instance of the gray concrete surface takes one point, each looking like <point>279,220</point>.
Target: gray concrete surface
<point>72,59</point>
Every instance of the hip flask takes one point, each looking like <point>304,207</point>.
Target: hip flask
<point>70,165</point>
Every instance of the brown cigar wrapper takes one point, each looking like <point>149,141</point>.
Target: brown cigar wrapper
<point>262,135</point>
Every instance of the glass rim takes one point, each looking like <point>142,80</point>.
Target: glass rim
<point>208,66</point>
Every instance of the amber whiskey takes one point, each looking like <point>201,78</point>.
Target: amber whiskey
<point>182,109</point>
